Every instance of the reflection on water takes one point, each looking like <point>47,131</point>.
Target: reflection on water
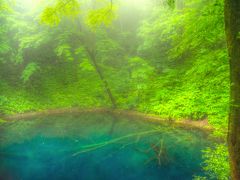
<point>98,146</point>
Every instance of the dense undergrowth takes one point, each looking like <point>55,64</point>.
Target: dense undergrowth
<point>176,66</point>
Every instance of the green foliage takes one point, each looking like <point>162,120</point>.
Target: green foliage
<point>52,15</point>
<point>64,51</point>
<point>176,66</point>
<point>199,178</point>
<point>4,6</point>
<point>4,48</point>
<point>135,76</point>
<point>6,51</point>
<point>29,70</point>
<point>171,3</point>
<point>3,102</point>
<point>101,16</point>
<point>104,14</point>
<point>192,79</point>
<point>216,163</point>
<point>2,121</point>
<point>85,65</point>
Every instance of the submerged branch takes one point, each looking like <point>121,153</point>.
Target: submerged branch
<point>92,147</point>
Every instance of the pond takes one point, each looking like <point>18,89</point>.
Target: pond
<point>100,146</point>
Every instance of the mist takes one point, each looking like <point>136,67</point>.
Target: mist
<point>122,89</point>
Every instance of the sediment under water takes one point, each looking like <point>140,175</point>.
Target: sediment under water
<point>98,146</point>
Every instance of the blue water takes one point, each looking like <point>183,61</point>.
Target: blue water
<point>98,146</point>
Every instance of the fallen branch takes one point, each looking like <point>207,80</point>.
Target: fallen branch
<point>93,147</point>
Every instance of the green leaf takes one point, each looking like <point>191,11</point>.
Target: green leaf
<point>29,70</point>
<point>86,65</point>
<point>102,16</point>
<point>53,15</point>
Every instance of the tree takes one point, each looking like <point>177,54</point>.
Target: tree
<point>232,25</point>
<point>96,17</point>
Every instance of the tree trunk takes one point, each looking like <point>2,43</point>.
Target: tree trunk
<point>105,83</point>
<point>89,43</point>
<point>232,25</point>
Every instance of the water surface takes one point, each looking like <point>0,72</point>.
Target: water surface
<point>102,146</point>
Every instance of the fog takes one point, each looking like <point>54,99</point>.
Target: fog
<point>161,63</point>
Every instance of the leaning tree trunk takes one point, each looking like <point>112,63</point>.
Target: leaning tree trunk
<point>104,81</point>
<point>232,23</point>
<point>89,40</point>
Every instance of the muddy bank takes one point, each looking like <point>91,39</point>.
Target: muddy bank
<point>203,124</point>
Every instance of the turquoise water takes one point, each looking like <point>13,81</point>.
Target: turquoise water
<point>98,146</point>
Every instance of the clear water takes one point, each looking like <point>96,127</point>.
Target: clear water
<point>99,147</point>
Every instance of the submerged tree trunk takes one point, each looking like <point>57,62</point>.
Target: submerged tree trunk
<point>232,23</point>
<point>104,81</point>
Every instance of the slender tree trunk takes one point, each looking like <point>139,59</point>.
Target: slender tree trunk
<point>105,83</point>
<point>89,42</point>
<point>232,23</point>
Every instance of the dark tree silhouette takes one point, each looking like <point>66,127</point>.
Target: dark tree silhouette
<point>232,23</point>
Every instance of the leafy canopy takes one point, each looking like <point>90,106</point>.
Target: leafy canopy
<point>52,15</point>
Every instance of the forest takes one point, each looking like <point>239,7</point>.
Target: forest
<point>177,61</point>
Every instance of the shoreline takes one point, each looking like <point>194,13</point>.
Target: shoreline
<point>201,124</point>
